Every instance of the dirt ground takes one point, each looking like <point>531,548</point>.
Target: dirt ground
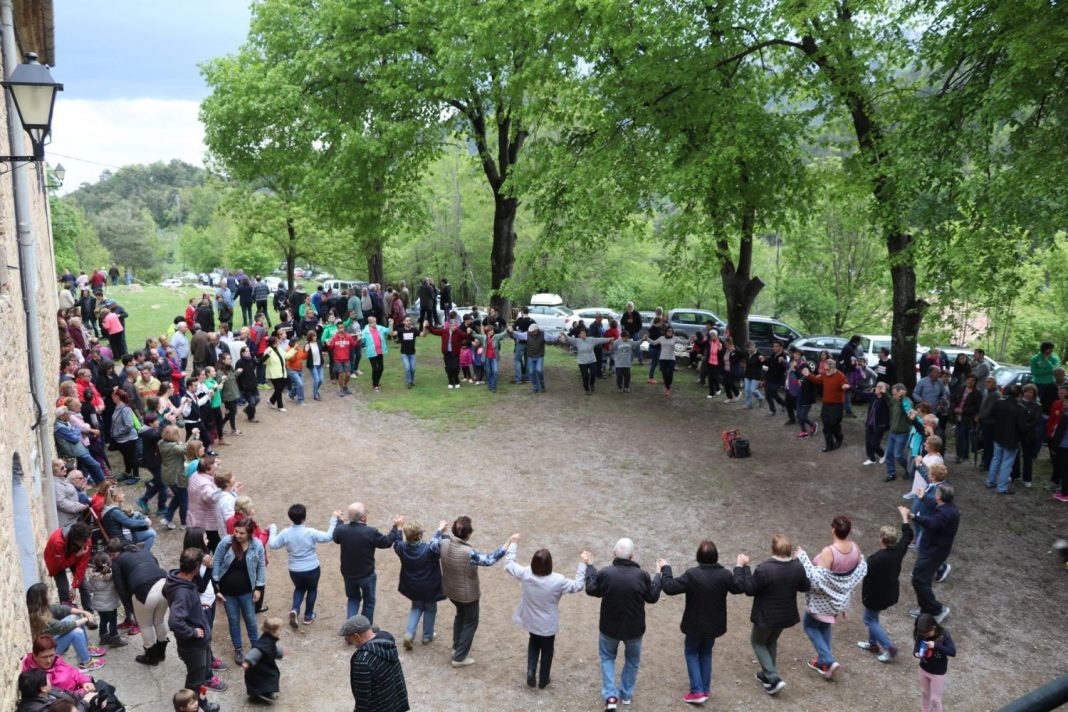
<point>571,473</point>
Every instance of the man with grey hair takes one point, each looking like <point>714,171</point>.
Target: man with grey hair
<point>631,322</point>
<point>358,543</point>
<point>834,385</point>
<point>180,342</point>
<point>932,390</point>
<point>624,589</point>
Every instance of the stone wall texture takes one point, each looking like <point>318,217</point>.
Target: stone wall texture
<point>18,415</point>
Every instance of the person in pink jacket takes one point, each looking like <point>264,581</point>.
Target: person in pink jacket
<point>203,499</point>
<point>61,675</point>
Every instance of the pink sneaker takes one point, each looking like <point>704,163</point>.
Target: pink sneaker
<point>97,652</point>
<point>133,630</point>
<point>695,698</point>
<point>93,664</point>
<point>1060,497</point>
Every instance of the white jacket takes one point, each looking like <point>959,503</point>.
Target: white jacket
<point>538,611</point>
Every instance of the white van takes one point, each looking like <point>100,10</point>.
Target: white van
<point>338,285</point>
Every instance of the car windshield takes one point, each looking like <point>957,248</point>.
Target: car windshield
<point>565,311</point>
<point>1005,375</point>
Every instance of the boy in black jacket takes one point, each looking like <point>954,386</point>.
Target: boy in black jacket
<point>881,588</point>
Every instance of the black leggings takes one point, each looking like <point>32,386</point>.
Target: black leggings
<point>589,375</point>
<point>376,370</point>
<point>129,456</point>
<point>543,645</point>
<point>279,386</point>
<point>452,369</point>
<point>231,415</point>
<point>667,370</point>
<point>218,421</point>
<point>205,432</point>
<point>730,387</point>
<point>712,376</point>
<point>622,376</point>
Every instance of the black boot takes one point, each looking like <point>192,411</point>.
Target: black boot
<point>151,657</point>
<point>161,650</point>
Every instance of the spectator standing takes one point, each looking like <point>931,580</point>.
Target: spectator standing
<point>375,672</point>
<point>624,589</point>
<point>1009,427</point>
<point>1043,364</point>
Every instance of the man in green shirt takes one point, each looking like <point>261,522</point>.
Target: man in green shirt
<point>1042,366</point>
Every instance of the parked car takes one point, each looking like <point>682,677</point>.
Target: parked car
<point>342,284</point>
<point>1007,376</point>
<point>273,282</point>
<point>952,352</point>
<point>811,346</point>
<point>173,283</point>
<point>587,314</point>
<point>764,331</point>
<point>188,276</point>
<point>325,276</point>
<point>687,322</point>
<point>550,317</point>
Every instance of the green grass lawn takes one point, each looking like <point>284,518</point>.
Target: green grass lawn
<point>152,309</point>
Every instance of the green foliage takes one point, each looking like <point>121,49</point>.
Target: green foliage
<point>76,244</point>
<point>165,190</point>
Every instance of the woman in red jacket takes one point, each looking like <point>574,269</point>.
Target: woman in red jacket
<point>69,550</point>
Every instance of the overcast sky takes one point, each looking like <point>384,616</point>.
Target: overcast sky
<point>131,83</point>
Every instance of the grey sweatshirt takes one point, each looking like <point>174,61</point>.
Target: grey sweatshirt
<point>584,347</point>
<point>622,351</point>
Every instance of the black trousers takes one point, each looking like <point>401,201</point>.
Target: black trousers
<point>231,414</point>
<point>730,386</point>
<point>129,456</point>
<point>831,415</point>
<point>667,370</point>
<point>261,308</point>
<point>923,574</point>
<point>622,376</point>
<point>376,370</point>
<point>279,386</point>
<point>712,375</point>
<point>543,646</point>
<point>774,391</point>
<point>463,629</point>
<point>251,399</point>
<point>791,407</point>
<point>197,665</point>
<point>452,368</point>
<point>589,375</point>
<point>873,443</point>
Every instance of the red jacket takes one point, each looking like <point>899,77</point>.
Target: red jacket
<point>458,336</point>
<point>190,314</point>
<point>832,387</point>
<point>56,559</point>
<point>98,402</point>
<point>1056,412</point>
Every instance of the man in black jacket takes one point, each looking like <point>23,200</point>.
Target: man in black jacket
<point>705,617</point>
<point>191,628</point>
<point>1009,426</point>
<point>624,589</point>
<point>631,322</point>
<point>375,672</point>
<point>775,378</point>
<point>244,294</point>
<point>774,586</point>
<point>358,543</point>
<point>427,307</point>
<point>939,531</point>
<point>881,587</point>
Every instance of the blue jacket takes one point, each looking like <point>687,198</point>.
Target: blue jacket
<point>369,343</point>
<point>420,576</point>
<point>255,561</point>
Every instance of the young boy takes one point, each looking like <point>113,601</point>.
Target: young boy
<point>881,588</point>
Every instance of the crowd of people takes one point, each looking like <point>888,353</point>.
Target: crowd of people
<point>167,408</point>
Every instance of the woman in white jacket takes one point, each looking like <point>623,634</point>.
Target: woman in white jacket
<point>538,611</point>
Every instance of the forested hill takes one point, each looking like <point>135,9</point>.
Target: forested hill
<point>157,188</point>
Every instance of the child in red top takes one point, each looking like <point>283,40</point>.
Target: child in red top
<point>341,345</point>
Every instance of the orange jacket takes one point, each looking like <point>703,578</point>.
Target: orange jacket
<point>832,387</point>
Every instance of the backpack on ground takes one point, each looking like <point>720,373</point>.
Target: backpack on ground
<point>734,444</point>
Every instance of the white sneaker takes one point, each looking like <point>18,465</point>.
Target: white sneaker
<point>168,524</point>
<point>1027,485</point>
<point>463,663</point>
<point>882,460</point>
<point>868,462</point>
<point>282,410</point>
<point>450,386</point>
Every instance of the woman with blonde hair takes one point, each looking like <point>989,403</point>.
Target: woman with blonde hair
<point>118,519</point>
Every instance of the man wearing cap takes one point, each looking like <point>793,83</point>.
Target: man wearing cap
<point>375,672</point>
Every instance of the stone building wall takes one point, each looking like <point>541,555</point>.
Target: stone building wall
<point>22,520</point>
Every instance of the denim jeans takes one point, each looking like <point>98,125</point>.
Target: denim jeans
<point>361,589</point>
<point>409,367</point>
<point>296,385</point>
<point>752,390</point>
<point>91,468</point>
<point>148,537</point>
<point>804,422</point>
<point>305,583</point>
<point>820,635</point>
<point>156,488</point>
<point>1001,467</point>
<point>520,352</point>
<point>179,503</point>
<point>638,351</point>
<point>654,358</point>
<point>964,439</point>
<point>428,611</point>
<point>698,653</point>
<point>876,634</point>
<point>317,379</point>
<point>492,366</point>
<point>78,638</point>
<point>895,452</point>
<point>608,648</point>
<point>536,371</point>
<point>238,607</point>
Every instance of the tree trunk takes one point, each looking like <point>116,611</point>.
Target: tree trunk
<point>502,254</point>
<point>375,266</point>
<point>291,253</point>
<point>740,288</point>
<point>908,310</point>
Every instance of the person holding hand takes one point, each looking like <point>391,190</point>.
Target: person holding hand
<point>420,578</point>
<point>835,384</point>
<point>705,616</point>
<point>188,622</point>
<point>539,607</point>
<point>304,569</point>
<point>881,588</point>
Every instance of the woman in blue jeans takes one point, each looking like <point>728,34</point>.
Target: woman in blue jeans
<point>420,579</point>
<point>304,569</point>
<point>64,623</point>
<point>239,567</point>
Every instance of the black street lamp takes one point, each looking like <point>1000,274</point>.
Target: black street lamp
<point>34,93</point>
